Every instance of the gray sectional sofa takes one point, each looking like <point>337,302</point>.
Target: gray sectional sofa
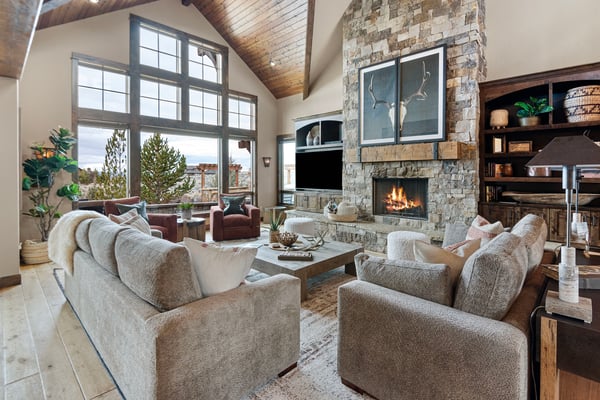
<point>416,342</point>
<point>136,298</point>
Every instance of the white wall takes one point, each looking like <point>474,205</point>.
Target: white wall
<point>539,35</point>
<point>9,176</point>
<point>46,81</point>
<point>326,69</point>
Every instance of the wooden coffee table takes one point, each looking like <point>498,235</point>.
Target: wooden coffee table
<point>329,256</point>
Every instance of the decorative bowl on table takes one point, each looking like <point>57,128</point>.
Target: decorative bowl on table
<point>287,239</point>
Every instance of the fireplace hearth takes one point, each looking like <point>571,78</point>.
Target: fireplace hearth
<point>400,197</point>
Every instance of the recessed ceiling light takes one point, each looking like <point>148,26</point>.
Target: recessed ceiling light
<point>94,1</point>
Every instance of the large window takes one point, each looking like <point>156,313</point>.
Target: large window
<point>103,88</point>
<point>204,62</point>
<point>242,112</point>
<point>173,85</point>
<point>205,107</point>
<point>159,49</point>
<point>159,99</point>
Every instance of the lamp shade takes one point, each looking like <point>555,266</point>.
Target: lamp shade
<point>577,151</point>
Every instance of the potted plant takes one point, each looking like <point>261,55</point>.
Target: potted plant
<point>186,210</point>
<point>274,229</point>
<point>529,111</point>
<point>41,172</point>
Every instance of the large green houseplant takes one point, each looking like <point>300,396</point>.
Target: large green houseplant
<point>40,177</point>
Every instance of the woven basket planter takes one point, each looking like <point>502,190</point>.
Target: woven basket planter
<point>582,104</point>
<point>33,252</point>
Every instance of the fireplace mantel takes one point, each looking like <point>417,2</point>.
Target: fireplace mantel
<point>449,150</point>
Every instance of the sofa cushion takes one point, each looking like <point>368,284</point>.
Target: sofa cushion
<point>219,269</point>
<point>492,277</point>
<point>454,233</point>
<point>156,270</point>
<point>532,230</point>
<point>427,281</point>
<point>482,228</point>
<point>429,253</point>
<point>140,207</point>
<point>133,219</point>
<point>103,235</point>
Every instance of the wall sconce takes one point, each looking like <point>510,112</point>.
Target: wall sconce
<point>267,162</point>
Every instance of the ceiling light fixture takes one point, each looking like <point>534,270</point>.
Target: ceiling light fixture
<point>94,1</point>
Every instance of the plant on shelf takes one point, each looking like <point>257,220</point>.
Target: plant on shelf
<point>41,174</point>
<point>529,111</point>
<point>186,210</point>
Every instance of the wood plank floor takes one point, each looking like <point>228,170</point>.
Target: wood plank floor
<point>46,354</point>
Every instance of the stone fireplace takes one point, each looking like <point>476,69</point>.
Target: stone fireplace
<point>379,30</point>
<point>400,197</point>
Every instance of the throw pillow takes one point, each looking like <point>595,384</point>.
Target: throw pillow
<point>482,228</point>
<point>427,281</point>
<point>140,207</point>
<point>133,219</point>
<point>234,205</point>
<point>492,277</point>
<point>431,254</point>
<point>219,269</point>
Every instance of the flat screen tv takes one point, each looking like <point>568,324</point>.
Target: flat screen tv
<point>319,170</point>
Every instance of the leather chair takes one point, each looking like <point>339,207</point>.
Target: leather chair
<point>234,226</point>
<point>165,223</point>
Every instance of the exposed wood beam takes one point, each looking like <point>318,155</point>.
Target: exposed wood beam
<point>310,21</point>
<point>18,19</point>
<point>52,4</point>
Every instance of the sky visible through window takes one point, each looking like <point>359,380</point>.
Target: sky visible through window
<point>92,144</point>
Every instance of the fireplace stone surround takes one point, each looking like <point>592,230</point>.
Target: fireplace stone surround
<point>380,30</point>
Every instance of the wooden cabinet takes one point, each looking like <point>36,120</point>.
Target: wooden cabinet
<point>316,201</point>
<point>504,152</point>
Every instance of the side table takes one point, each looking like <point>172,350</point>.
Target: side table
<point>569,352</point>
<point>192,228</point>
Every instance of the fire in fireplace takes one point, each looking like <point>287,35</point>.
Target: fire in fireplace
<point>402,197</point>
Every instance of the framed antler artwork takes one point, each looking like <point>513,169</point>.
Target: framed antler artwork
<point>404,100</point>
<point>422,96</point>
<point>378,103</point>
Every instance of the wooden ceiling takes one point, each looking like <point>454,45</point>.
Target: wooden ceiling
<point>273,37</point>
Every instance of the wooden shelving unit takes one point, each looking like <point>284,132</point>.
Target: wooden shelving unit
<point>502,94</point>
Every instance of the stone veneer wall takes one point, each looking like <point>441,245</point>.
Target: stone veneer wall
<point>379,30</point>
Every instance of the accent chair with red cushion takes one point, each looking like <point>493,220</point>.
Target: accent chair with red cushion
<point>234,219</point>
<point>165,223</point>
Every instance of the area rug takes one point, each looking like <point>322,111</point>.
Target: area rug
<point>316,376</point>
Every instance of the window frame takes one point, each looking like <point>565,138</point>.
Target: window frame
<point>135,122</point>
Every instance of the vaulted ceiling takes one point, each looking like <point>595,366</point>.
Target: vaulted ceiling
<point>273,37</point>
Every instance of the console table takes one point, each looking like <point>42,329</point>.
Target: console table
<point>569,352</point>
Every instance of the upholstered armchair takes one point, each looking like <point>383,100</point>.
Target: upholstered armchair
<point>232,218</point>
<point>165,223</point>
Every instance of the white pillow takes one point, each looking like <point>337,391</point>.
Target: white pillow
<point>219,269</point>
<point>429,253</point>
<point>133,219</point>
<point>482,228</point>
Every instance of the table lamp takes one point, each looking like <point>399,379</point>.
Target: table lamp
<point>568,153</point>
